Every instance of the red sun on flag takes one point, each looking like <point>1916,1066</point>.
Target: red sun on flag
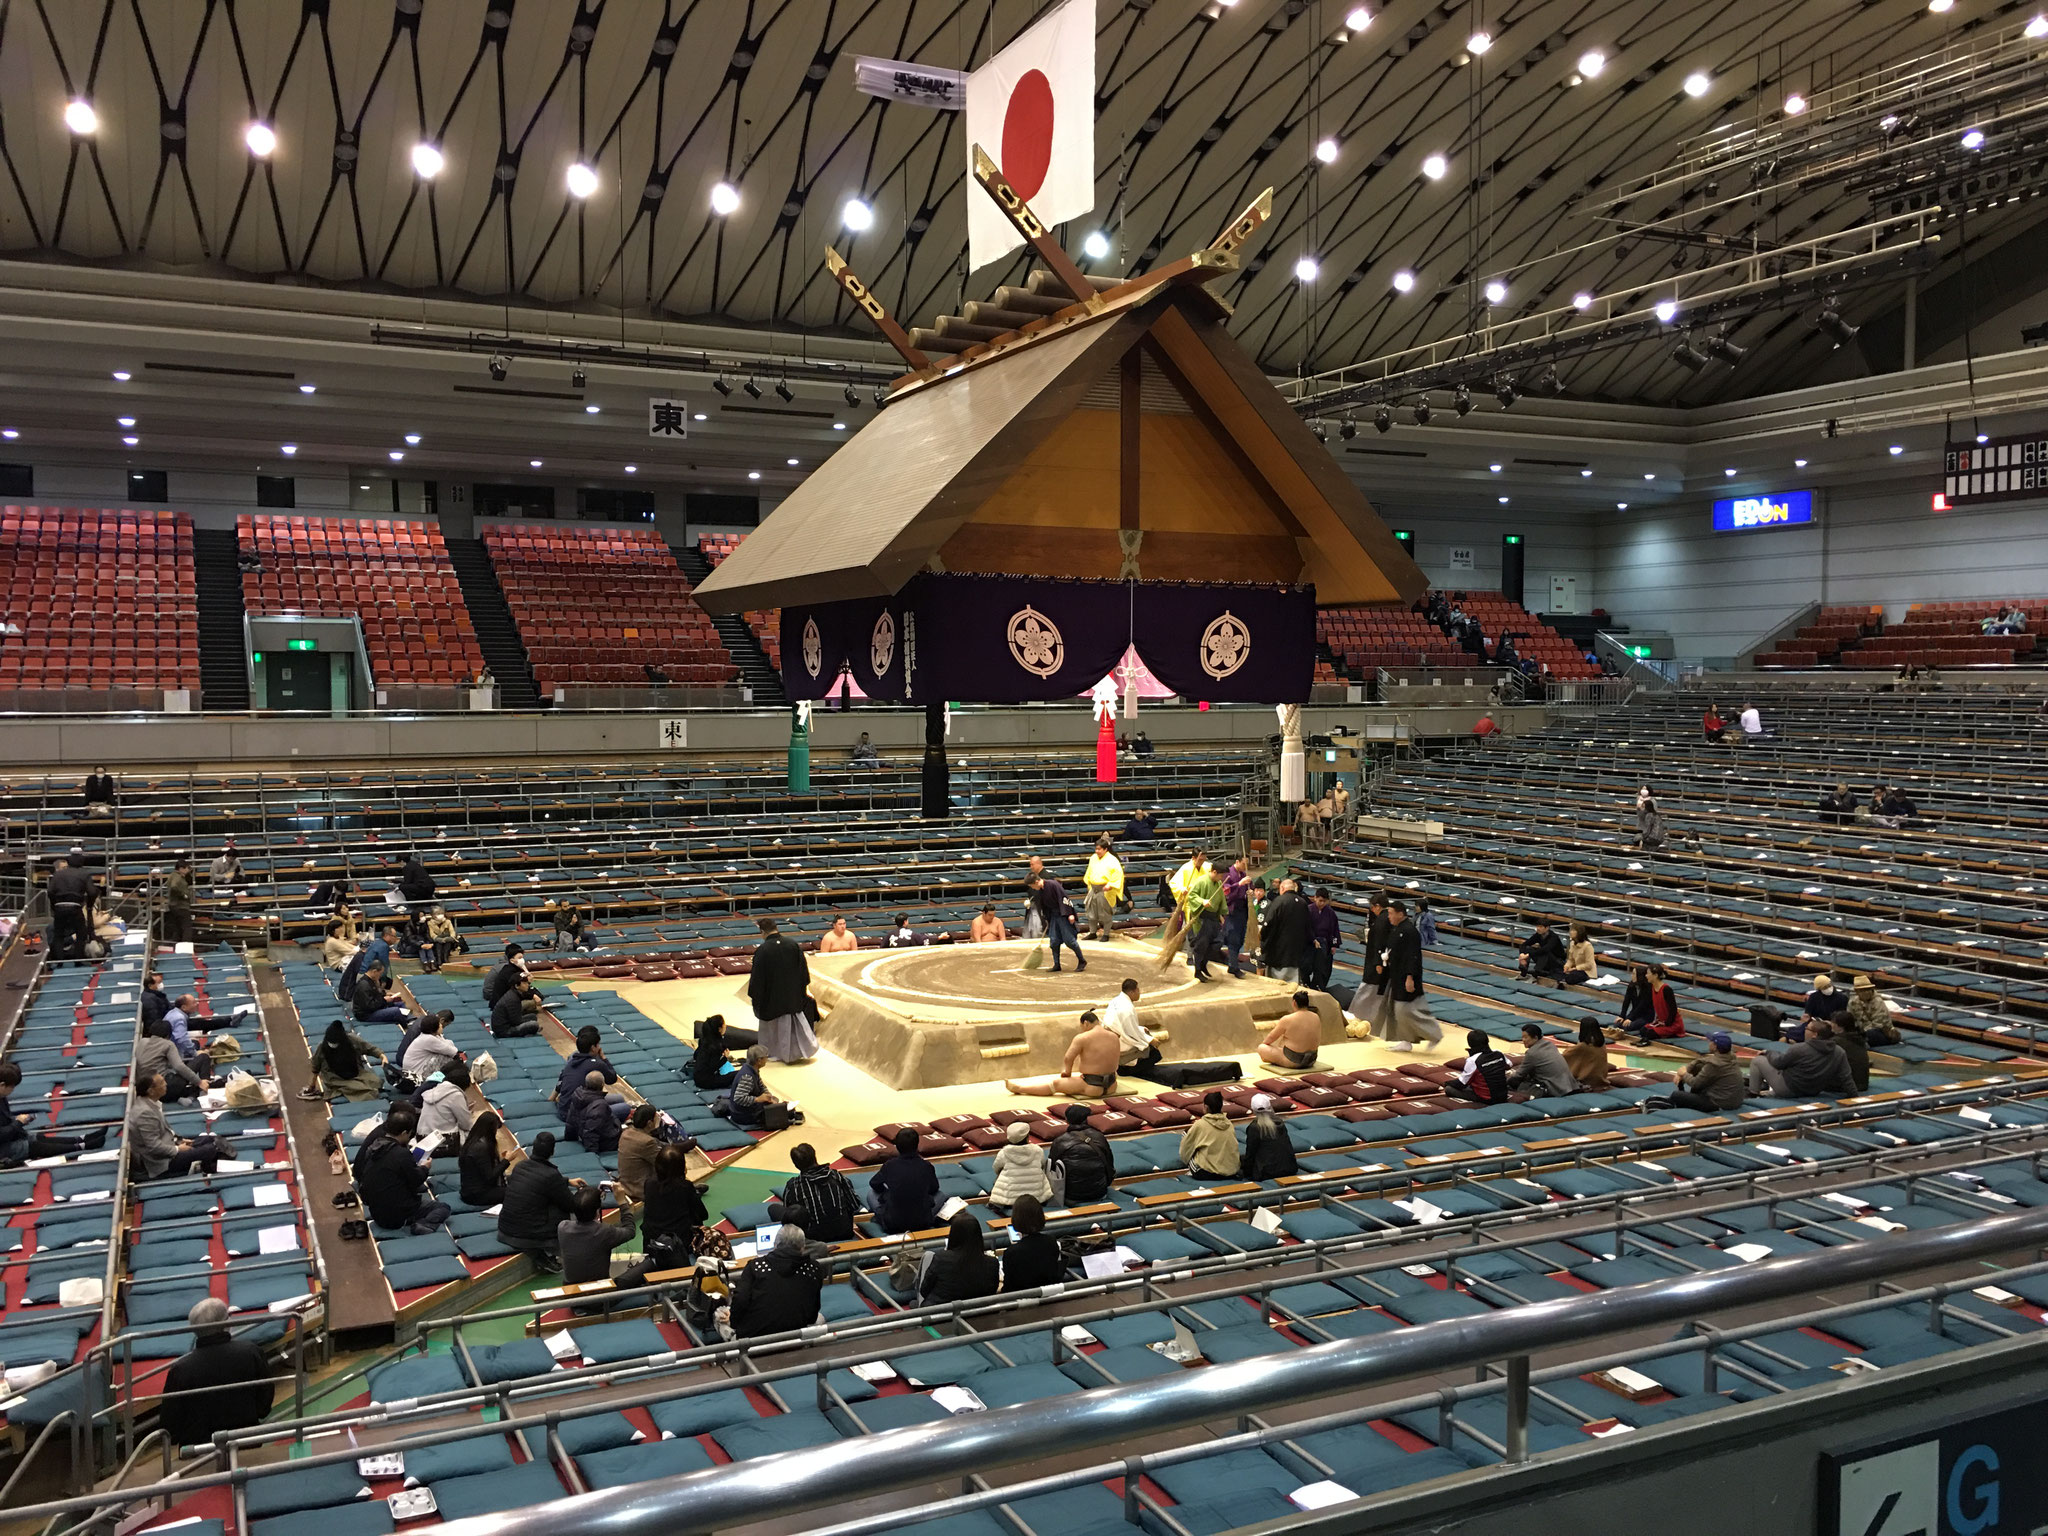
<point>1027,134</point>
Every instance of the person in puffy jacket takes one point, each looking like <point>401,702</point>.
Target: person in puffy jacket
<point>590,1119</point>
<point>1084,1156</point>
<point>1020,1171</point>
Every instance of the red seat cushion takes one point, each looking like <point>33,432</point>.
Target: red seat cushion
<point>1319,1098</point>
<point>986,1139</point>
<point>1110,1123</point>
<point>1160,1116</point>
<point>939,1146</point>
<point>888,1132</point>
<point>869,1153</point>
<point>960,1125</point>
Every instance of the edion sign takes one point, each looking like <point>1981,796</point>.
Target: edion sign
<point>1737,514</point>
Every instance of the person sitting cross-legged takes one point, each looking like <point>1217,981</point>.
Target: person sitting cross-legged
<point>1089,1071</point>
<point>1295,1040</point>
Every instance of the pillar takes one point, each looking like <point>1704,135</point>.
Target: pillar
<point>800,748</point>
<point>937,802</point>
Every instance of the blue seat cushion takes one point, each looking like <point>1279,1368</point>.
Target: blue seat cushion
<point>625,1464</point>
<point>1432,1306</point>
<point>305,1488</point>
<point>415,1376</point>
<point>253,1290</point>
<point>1230,1236</point>
<point>1164,1247</point>
<point>415,1274</point>
<point>457,1458</point>
<point>1352,1325</point>
<point>1127,1362</point>
<point>1313,1297</point>
<point>428,1245</point>
<point>1193,1481</point>
<point>1351,1449</point>
<point>510,1362</point>
<point>152,1257</point>
<point>840,1302</point>
<point>892,1412</point>
<point>1318,1225</point>
<point>1609,1273</point>
<point>486,1493</point>
<point>686,1416</point>
<point>608,1343</point>
<point>1212,1517</point>
<point>1136,1328</point>
<point>784,1432</point>
<point>1222,1345</point>
<point>1021,1384</point>
<point>596,1432</point>
<point>366,1517</point>
<point>940,1366</point>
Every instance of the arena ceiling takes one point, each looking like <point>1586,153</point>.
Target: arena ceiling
<point>1201,104</point>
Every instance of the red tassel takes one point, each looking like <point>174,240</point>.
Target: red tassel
<point>1105,750</point>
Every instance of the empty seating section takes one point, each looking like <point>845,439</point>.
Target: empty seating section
<point>766,623</point>
<point>390,573</point>
<point>1363,640</point>
<point>1533,638</point>
<point>97,600</point>
<point>601,606</point>
<point>1930,635</point>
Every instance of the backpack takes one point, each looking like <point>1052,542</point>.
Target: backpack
<point>345,984</point>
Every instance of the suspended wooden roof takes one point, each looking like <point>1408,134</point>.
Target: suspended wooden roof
<point>1125,435</point>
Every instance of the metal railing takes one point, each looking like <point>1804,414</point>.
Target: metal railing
<point>770,1487</point>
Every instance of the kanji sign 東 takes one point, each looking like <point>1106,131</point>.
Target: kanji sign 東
<point>668,418</point>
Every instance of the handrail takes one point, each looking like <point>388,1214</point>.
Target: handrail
<point>771,1487</point>
<point>1611,647</point>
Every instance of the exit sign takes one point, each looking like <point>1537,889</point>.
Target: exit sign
<point>302,645</point>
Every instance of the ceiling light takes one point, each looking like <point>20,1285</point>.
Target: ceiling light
<point>792,461</point>
<point>1888,122</point>
<point>397,454</point>
<point>592,410</point>
<point>1494,468</point>
<point>1326,151</point>
<point>1726,350</point>
<point>1403,280</point>
<point>1697,84</point>
<point>1505,393</point>
<point>1305,270</point>
<point>2038,27</point>
<point>852,398</point>
<point>288,449</point>
<point>1621,506</point>
<point>412,439</point>
<point>1358,19</point>
<point>1347,431</point>
<point>1983,437</point>
<point>427,161</point>
<point>1688,357</point>
<point>10,433</point>
<point>753,389</point>
<point>1667,311</point>
<point>1478,43</point>
<point>783,392</point>
<point>1496,292</point>
<point>1973,139</point>
<point>261,139</point>
<point>1461,399</point>
<point>881,395</point>
<point>699,416</point>
<point>499,366</point>
<point>1729,473</point>
<point>1422,412</point>
<point>1799,463</point>
<point>304,389</point>
<point>1940,7</point>
<point>1435,167</point>
<point>1896,449</point>
<point>1830,321</point>
<point>1649,477</point>
<point>721,386</point>
<point>1383,419</point>
<point>1794,104</point>
<point>753,474</point>
<point>1096,246</point>
<point>857,215</point>
<point>1503,501</point>
<point>838,426</point>
<point>582,180</point>
<point>1548,384</point>
<point>533,463</point>
<point>1585,474</point>
<point>79,116</point>
<point>1591,62</point>
<point>725,198</point>
<point>1582,300</point>
<point>131,441</point>
<point>121,375</point>
<point>632,469</point>
<point>125,421</point>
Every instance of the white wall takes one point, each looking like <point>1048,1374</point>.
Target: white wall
<point>1716,593</point>
<point>1554,543</point>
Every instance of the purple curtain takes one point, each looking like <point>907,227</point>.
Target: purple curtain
<point>1227,644</point>
<point>813,649</point>
<point>1009,639</point>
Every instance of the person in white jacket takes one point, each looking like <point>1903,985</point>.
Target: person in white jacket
<point>444,1107</point>
<point>1020,1171</point>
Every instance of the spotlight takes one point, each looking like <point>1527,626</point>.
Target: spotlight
<point>1461,399</point>
<point>632,469</point>
<point>1305,270</point>
<point>577,378</point>
<point>1435,167</point>
<point>753,389</point>
<point>1322,432</point>
<point>125,421</point>
<point>857,215</point>
<point>1592,62</point>
<point>725,198</point>
<point>261,139</point>
<point>1667,311</point>
<point>881,395</point>
<point>783,392</point>
<point>1726,350</point>
<point>1505,393</point>
<point>1833,427</point>
<point>1895,450</point>
<point>1478,43</point>
<point>1349,428</point>
<point>721,385</point>
<point>2038,27</point>
<point>1983,437</point>
<point>288,449</point>
<point>582,180</point>
<point>1582,300</point>
<point>121,375</point>
<point>1096,246</point>
<point>1403,280</point>
<point>1358,19</point>
<point>1794,104</point>
<point>427,161</point>
<point>80,118</point>
<point>1326,151</point>
<point>1383,419</point>
<point>1940,7</point>
<point>1697,85</point>
<point>1729,473</point>
<point>1496,292</point>
<point>500,366</point>
<point>1974,139</point>
<point>838,426</point>
<point>753,474</point>
<point>304,389</point>
<point>1830,321</point>
<point>852,398</point>
<point>591,410</point>
<point>1799,463</point>
<point>1585,474</point>
<point>1547,382</point>
<point>412,439</point>
<point>1422,412</point>
<point>397,454</point>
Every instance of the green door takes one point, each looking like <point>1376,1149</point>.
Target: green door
<point>299,680</point>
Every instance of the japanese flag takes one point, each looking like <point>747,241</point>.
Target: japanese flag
<point>1032,110</point>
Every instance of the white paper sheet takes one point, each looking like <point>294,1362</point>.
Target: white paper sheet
<point>270,1194</point>
<point>278,1240</point>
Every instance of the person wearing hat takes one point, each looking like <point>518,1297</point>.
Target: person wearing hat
<point>1020,1170</point>
<point>1712,1083</point>
<point>1268,1149</point>
<point>1823,1002</point>
<point>1869,1014</point>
